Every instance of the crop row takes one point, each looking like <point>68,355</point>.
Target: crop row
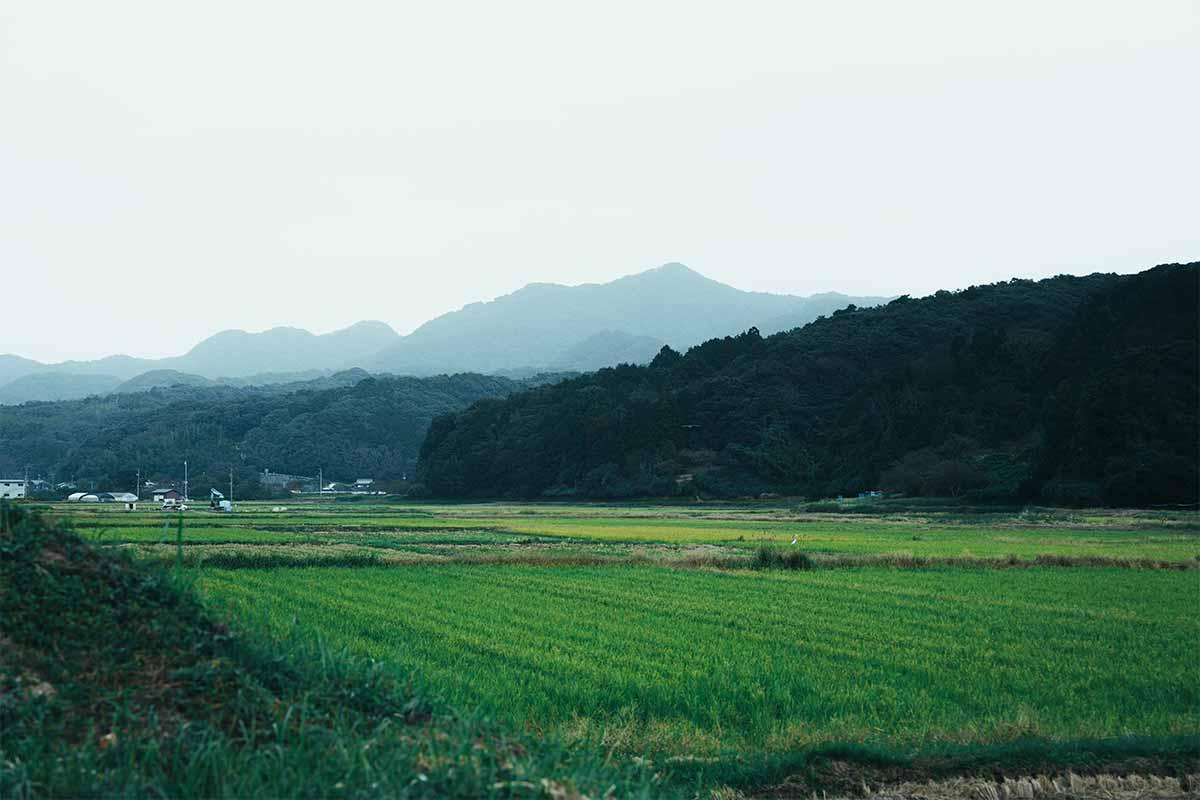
<point>817,536</point>
<point>697,661</point>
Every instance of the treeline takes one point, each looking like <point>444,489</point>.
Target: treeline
<point>1072,390</point>
<point>372,428</point>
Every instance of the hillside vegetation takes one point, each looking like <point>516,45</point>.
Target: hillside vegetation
<point>1075,389</point>
<point>371,427</point>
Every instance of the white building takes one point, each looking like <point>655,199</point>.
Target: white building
<point>12,487</point>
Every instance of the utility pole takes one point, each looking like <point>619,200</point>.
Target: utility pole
<point>320,481</point>
<point>185,481</point>
<point>138,489</point>
<point>231,485</point>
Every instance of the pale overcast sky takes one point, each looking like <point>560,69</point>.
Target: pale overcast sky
<point>168,170</point>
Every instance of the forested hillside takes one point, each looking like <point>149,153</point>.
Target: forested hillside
<point>1069,389</point>
<point>372,428</point>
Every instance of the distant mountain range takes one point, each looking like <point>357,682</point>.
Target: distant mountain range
<point>595,325</point>
<point>279,355</point>
<point>540,327</point>
<point>52,386</point>
<point>1071,390</point>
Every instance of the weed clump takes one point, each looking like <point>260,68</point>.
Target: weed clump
<point>775,558</point>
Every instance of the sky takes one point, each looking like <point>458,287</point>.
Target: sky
<point>169,170</point>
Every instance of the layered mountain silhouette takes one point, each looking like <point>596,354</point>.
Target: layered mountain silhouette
<point>54,385</point>
<point>540,327</point>
<point>594,325</point>
<point>278,355</point>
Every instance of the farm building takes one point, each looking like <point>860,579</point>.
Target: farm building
<point>102,497</point>
<point>12,487</point>
<point>91,497</point>
<point>167,494</point>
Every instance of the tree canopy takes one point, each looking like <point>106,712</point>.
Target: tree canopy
<point>1076,389</point>
<point>372,428</point>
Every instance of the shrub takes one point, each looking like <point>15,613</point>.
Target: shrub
<point>774,558</point>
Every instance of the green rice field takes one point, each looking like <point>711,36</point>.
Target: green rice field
<point>698,661</point>
<point>661,629</point>
<point>1168,536</point>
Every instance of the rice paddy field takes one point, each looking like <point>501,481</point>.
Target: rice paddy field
<point>874,531</point>
<point>694,661</point>
<point>664,631</point>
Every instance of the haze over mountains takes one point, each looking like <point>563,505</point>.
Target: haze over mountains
<point>1076,390</point>
<point>585,326</point>
<point>540,327</point>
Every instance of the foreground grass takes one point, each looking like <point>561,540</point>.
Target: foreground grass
<point>115,682</point>
<point>692,662</point>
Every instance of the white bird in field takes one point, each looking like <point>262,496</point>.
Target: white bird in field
<point>795,537</point>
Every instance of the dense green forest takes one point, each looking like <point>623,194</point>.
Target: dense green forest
<point>1072,389</point>
<point>373,428</point>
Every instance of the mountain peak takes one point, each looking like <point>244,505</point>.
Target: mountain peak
<point>672,269</point>
<point>672,275</point>
<point>541,324</point>
<point>675,268</point>
<point>369,325</point>
<point>550,324</point>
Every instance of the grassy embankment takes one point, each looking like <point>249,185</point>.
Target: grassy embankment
<point>116,682</point>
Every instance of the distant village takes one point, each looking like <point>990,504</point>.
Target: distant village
<point>177,494</point>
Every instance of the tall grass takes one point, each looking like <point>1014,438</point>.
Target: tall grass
<point>776,558</point>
